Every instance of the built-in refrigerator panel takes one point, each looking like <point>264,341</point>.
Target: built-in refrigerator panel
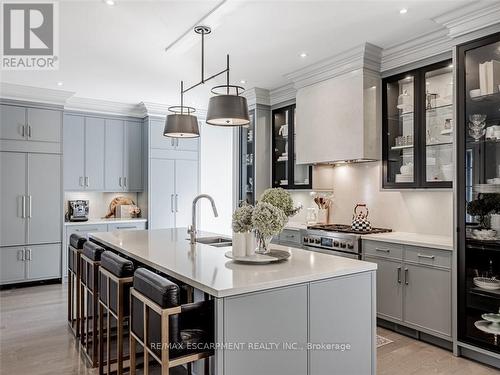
<point>478,192</point>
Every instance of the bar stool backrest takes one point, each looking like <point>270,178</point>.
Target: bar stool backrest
<point>117,268</point>
<point>76,242</point>
<point>91,252</point>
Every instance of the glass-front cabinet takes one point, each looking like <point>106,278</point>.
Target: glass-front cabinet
<point>478,192</point>
<point>285,172</point>
<point>418,128</point>
<point>246,162</point>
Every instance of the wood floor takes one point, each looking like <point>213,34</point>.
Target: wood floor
<point>34,339</point>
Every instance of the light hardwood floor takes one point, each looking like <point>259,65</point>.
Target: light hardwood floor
<point>34,339</point>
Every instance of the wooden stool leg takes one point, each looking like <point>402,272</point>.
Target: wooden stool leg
<point>82,313</point>
<point>120,343</point>
<point>108,341</point>
<point>190,368</point>
<point>101,340</point>
<point>70,298</point>
<point>77,282</point>
<point>132,355</point>
<point>206,370</point>
<point>95,332</point>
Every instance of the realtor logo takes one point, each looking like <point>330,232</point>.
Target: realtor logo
<point>30,36</point>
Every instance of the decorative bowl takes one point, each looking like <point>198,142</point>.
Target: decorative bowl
<point>484,234</point>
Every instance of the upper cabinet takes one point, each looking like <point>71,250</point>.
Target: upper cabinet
<point>286,173</point>
<point>102,154</point>
<point>418,128</point>
<point>338,119</point>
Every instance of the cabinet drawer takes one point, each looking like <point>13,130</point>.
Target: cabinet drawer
<point>290,236</point>
<point>84,229</point>
<point>428,256</point>
<point>385,249</point>
<point>126,226</point>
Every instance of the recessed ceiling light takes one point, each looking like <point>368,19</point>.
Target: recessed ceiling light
<point>403,11</point>
<point>59,83</point>
<point>303,54</point>
<point>243,81</point>
<point>110,2</point>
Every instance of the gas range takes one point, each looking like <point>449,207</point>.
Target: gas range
<point>337,239</point>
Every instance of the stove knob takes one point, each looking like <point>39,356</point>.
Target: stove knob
<point>305,239</point>
<point>317,241</point>
<point>336,244</point>
<point>311,240</point>
<point>343,245</point>
<point>350,246</point>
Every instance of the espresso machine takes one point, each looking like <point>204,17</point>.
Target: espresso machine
<point>78,210</point>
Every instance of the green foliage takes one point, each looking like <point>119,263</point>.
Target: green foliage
<point>242,219</point>
<point>281,199</point>
<point>268,219</point>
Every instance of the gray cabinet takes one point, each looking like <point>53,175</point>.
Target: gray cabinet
<point>413,286</point>
<point>186,189</point>
<point>157,139</point>
<point>123,159</point>
<point>83,149</point>
<point>290,237</point>
<point>13,191</point>
<point>162,193</point>
<point>187,144</point>
<point>30,124</point>
<point>12,265</point>
<point>43,261</point>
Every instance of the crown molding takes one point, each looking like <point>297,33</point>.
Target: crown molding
<point>103,107</point>
<point>364,56</point>
<point>470,18</point>
<point>161,110</point>
<point>257,95</point>
<point>34,94</point>
<point>282,94</point>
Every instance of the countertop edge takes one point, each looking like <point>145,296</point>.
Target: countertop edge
<point>104,221</point>
<point>411,242</point>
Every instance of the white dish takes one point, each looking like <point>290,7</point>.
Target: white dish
<point>494,318</point>
<point>488,327</point>
<point>475,93</point>
<point>486,283</point>
<point>271,257</point>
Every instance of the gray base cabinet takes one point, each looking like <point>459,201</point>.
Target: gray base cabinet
<point>413,286</point>
<point>12,265</point>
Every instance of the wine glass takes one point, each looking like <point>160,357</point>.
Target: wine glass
<point>477,133</point>
<point>477,120</point>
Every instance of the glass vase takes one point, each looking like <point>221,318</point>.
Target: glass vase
<point>262,242</point>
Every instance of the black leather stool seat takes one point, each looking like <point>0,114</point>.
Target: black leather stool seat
<point>92,251</point>
<point>77,241</point>
<point>118,266</point>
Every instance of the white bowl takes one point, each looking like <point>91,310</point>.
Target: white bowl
<point>475,93</point>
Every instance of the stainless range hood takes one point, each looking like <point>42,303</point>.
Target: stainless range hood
<point>339,114</point>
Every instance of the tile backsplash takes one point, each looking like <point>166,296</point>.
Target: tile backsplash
<point>98,201</point>
<point>429,212</point>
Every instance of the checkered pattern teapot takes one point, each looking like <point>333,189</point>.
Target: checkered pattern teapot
<point>360,221</point>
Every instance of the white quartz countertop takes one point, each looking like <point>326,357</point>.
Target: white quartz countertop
<point>416,239</point>
<point>206,268</point>
<point>95,221</point>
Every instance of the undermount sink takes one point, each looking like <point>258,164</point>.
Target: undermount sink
<point>215,241</point>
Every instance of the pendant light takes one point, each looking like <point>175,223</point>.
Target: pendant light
<point>226,108</point>
<point>181,123</point>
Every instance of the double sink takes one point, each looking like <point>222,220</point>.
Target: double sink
<point>217,241</point>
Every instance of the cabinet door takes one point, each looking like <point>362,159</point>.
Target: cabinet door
<point>44,125</point>
<point>427,298</point>
<point>12,198</point>
<point>157,139</point>
<point>113,180</point>
<point>13,120</point>
<point>44,198</point>
<point>12,265</point>
<point>187,144</point>
<point>162,194</point>
<point>74,153</point>
<point>94,153</point>
<point>389,288</point>
<point>43,261</point>
<point>133,156</point>
<point>186,189</point>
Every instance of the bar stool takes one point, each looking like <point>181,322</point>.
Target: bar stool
<point>171,333</point>
<point>90,260</point>
<point>75,249</point>
<point>115,280</point>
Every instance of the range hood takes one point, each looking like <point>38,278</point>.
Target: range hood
<point>338,115</point>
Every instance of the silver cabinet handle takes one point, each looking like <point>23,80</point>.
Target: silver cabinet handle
<point>382,250</point>
<point>28,256</point>
<point>80,181</point>
<point>87,230</point>
<point>124,181</point>
<point>176,142</point>
<point>29,131</point>
<point>87,181</point>
<point>172,202</point>
<point>29,205</point>
<point>406,276</point>
<point>399,275</point>
<point>23,207</point>
<point>176,203</point>
<point>172,142</point>
<point>22,130</point>
<point>425,256</point>
<point>120,181</point>
<point>127,227</point>
<point>20,255</point>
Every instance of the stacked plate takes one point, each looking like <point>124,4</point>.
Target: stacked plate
<point>486,283</point>
<point>404,177</point>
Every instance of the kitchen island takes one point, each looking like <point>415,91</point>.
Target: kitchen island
<point>312,314</point>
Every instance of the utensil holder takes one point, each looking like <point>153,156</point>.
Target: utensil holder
<point>322,216</point>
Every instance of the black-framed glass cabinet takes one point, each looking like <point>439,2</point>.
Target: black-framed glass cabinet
<point>417,142</point>
<point>478,192</point>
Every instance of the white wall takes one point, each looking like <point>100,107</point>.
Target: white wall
<point>98,202</point>
<point>429,212</point>
<point>216,178</point>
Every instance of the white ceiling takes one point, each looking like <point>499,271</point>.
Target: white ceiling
<point>117,53</point>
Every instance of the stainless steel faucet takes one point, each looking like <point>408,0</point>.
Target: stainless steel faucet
<point>192,229</point>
